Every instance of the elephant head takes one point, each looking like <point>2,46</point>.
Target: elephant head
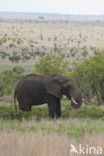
<point>60,85</point>
<point>72,91</point>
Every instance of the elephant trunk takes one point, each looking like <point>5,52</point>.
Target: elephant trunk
<point>76,99</point>
<point>75,104</point>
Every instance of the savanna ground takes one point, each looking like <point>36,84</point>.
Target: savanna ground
<point>23,42</point>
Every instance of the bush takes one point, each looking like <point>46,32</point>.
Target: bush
<point>19,41</point>
<point>25,54</point>
<point>8,112</point>
<point>11,45</point>
<point>18,69</point>
<point>14,57</point>
<point>3,54</point>
<point>90,77</point>
<point>89,112</point>
<point>85,53</point>
<point>73,51</point>
<point>8,81</point>
<point>51,64</point>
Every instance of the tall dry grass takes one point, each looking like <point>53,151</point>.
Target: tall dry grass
<point>31,144</point>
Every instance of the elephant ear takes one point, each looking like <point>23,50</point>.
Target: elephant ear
<point>54,88</point>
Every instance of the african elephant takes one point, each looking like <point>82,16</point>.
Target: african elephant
<point>36,90</point>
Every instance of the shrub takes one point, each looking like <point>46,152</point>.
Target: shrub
<point>73,51</point>
<point>26,55</point>
<point>90,76</point>
<point>49,38</point>
<point>18,69</point>
<point>85,53</point>
<point>19,41</point>
<point>3,54</point>
<point>55,38</point>
<point>14,57</point>
<point>8,81</point>
<point>3,39</point>
<point>8,112</point>
<point>51,64</point>
<point>11,45</point>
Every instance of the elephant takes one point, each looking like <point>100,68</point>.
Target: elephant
<point>36,90</point>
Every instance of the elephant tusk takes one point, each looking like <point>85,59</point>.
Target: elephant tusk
<point>73,100</point>
<point>83,100</point>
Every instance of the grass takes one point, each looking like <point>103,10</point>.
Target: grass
<point>75,128</point>
<point>34,134</point>
<point>74,123</point>
<point>45,138</point>
<point>53,37</point>
<point>27,68</point>
<point>31,144</point>
<point>41,112</point>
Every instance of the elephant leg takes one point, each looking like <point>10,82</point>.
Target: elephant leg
<point>25,107</point>
<point>24,104</point>
<point>58,109</point>
<point>20,107</point>
<point>51,100</point>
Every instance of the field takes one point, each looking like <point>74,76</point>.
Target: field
<point>33,133</point>
<point>23,140</point>
<point>23,43</point>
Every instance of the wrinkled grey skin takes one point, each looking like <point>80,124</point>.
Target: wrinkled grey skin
<point>37,90</point>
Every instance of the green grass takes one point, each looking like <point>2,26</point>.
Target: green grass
<point>27,68</point>
<point>71,127</point>
<point>74,123</point>
<point>91,112</point>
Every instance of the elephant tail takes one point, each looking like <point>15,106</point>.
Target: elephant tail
<point>15,96</point>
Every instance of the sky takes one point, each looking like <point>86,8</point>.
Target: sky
<point>85,7</point>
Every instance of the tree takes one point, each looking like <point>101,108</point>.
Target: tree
<point>90,77</point>
<point>51,64</point>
